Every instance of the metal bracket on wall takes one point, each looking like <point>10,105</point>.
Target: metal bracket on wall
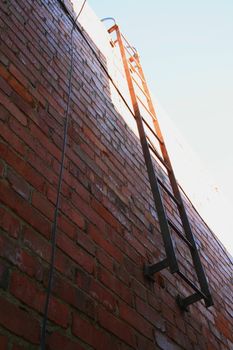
<point>140,95</point>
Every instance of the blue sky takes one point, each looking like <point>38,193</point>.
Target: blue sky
<point>186,49</point>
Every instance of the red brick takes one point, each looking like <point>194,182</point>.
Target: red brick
<point>74,296</point>
<point>164,342</point>
<point>3,342</point>
<point>21,166</point>
<point>117,327</point>
<point>224,326</point>
<point>84,241</point>
<point>43,205</point>
<point>18,75</point>
<point>80,190</point>
<point>60,342</point>
<point>130,315</point>
<point>23,289</point>
<point>96,290</point>
<point>18,184</point>
<point>9,223</point>
<point>40,153</point>
<point>168,313</point>
<point>145,344</point>
<point>75,252</point>
<point>2,168</point>
<point>4,275</point>
<point>20,258</point>
<point>23,209</point>
<point>38,245</point>
<point>45,141</point>
<point>149,314</point>
<point>107,246</point>
<point>72,213</point>
<point>5,87</point>
<point>88,212</point>
<point>115,285</point>
<point>106,215</point>
<point>139,288</point>
<point>19,321</point>
<point>19,88</point>
<point>4,73</point>
<point>104,259</point>
<point>90,335</point>
<point>18,347</point>
<point>13,109</point>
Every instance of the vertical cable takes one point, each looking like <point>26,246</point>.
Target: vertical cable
<point>57,205</point>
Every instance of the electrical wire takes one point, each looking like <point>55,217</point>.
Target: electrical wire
<point>60,179</point>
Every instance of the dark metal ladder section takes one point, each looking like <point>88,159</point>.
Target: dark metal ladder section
<point>133,67</point>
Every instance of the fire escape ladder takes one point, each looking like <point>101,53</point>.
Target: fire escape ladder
<point>140,96</point>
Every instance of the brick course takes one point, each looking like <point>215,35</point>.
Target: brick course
<point>107,226</point>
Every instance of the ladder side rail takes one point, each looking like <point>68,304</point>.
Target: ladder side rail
<point>165,231</point>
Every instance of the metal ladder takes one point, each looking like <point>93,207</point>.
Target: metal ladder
<point>136,81</point>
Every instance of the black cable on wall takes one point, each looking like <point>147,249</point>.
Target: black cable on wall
<point>60,179</point>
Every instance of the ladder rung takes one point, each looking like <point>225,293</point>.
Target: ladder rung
<point>140,87</point>
<point>135,71</point>
<point>168,191</point>
<point>146,108</point>
<point>175,228</point>
<point>151,269</point>
<point>130,53</point>
<point>185,302</point>
<point>159,156</point>
<point>191,284</point>
<point>152,131</point>
<point>132,48</point>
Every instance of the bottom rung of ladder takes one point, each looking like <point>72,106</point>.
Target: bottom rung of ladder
<point>150,270</point>
<point>185,302</point>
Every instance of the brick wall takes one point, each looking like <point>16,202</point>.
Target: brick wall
<point>107,227</point>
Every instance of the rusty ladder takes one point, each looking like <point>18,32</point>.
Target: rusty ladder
<point>136,81</point>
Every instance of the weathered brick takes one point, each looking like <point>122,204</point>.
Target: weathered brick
<point>19,321</point>
<point>109,247</point>
<point>3,342</point>
<point>165,343</point>
<point>43,205</point>
<point>23,209</point>
<point>115,285</point>
<point>135,320</point>
<point>23,289</point>
<point>2,168</point>
<point>75,252</point>
<point>18,184</point>
<point>61,342</point>
<point>9,223</point>
<point>117,327</point>
<point>4,275</point>
<point>74,296</point>
<point>89,334</point>
<point>13,109</point>
<point>149,314</point>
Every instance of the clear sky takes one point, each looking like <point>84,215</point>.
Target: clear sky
<point>186,49</point>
